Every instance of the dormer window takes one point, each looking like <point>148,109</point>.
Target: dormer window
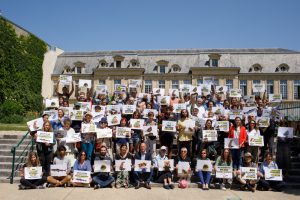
<point>176,68</point>
<point>284,67</point>
<point>118,60</point>
<point>134,63</point>
<point>255,68</point>
<point>162,66</point>
<point>79,65</point>
<point>213,60</point>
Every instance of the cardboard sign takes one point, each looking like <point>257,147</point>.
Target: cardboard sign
<point>183,167</point>
<point>76,115</point>
<point>178,107</point>
<point>285,132</point>
<point>275,97</point>
<point>52,103</point>
<point>158,91</point>
<point>36,124</point>
<point>273,174</point>
<point>224,172</point>
<point>221,89</point>
<point>257,141</point>
<point>204,165</point>
<point>150,130</point>
<point>123,132</point>
<point>123,165</point>
<point>169,126</point>
<point>222,126</point>
<point>58,170</point>
<point>235,93</point>
<point>263,121</point>
<point>88,128</point>
<point>210,135</point>
<point>231,143</point>
<point>31,173</point>
<point>81,176</point>
<point>65,79</point>
<point>104,133</point>
<point>166,165</point>
<point>174,92</point>
<point>45,137</point>
<point>73,137</point>
<point>142,165</point>
<point>102,165</point>
<point>128,109</point>
<point>101,89</point>
<point>85,83</point>
<point>137,123</point>
<point>249,173</point>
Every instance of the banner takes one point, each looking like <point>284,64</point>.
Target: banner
<point>134,83</point>
<point>104,133</point>
<point>123,165</point>
<point>231,143</point>
<point>137,123</point>
<point>249,173</point>
<point>204,165</point>
<point>102,165</point>
<point>44,137</point>
<point>210,135</point>
<point>224,172</point>
<point>123,132</point>
<point>169,126</point>
<point>33,173</point>
<point>166,165</point>
<point>81,176</point>
<point>58,170</point>
<point>142,165</point>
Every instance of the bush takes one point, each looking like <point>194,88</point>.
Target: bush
<point>11,107</point>
<point>11,119</point>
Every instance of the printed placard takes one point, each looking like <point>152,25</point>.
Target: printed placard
<point>224,172</point>
<point>81,176</point>
<point>177,107</point>
<point>163,100</point>
<point>128,109</point>
<point>217,110</point>
<point>189,124</point>
<point>275,97</point>
<point>123,132</point>
<point>146,111</point>
<point>195,89</point>
<point>210,135</point>
<point>58,170</point>
<point>97,116</point>
<point>76,115</point>
<point>150,130</point>
<point>185,88</point>
<point>285,132</point>
<point>183,167</point>
<point>119,88</point>
<point>249,173</point>
<point>221,89</point>
<point>209,80</point>
<point>250,111</point>
<point>101,89</point>
<point>113,119</point>
<point>222,125</point>
<point>123,165</point>
<point>45,137</point>
<point>173,92</point>
<point>84,83</point>
<point>88,128</point>
<point>117,108</point>
<point>31,173</point>
<point>235,93</point>
<point>235,113</point>
<point>205,89</point>
<point>204,165</point>
<point>67,111</point>
<point>231,143</point>
<point>263,121</point>
<point>36,124</point>
<point>158,91</point>
<point>266,112</point>
<point>142,165</point>
<point>73,137</point>
<point>137,123</point>
<point>166,165</point>
<point>102,165</point>
<point>250,100</point>
<point>257,141</point>
<point>273,174</point>
<point>104,133</point>
<point>65,79</point>
<point>85,106</point>
<point>52,103</point>
<point>169,126</point>
<point>134,83</point>
<point>258,87</point>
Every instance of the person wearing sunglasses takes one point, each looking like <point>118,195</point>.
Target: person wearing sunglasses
<point>82,164</point>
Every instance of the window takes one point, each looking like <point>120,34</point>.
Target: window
<point>243,87</point>
<point>101,82</point>
<point>296,89</point>
<point>148,86</point>
<point>199,82</point>
<point>175,84</point>
<point>256,82</point>
<point>162,69</point>
<point>161,84</point>
<point>78,70</point>
<point>117,81</point>
<point>187,82</point>
<point>283,89</point>
<point>229,84</point>
<point>216,81</point>
<point>118,64</point>
<point>270,86</point>
<point>214,62</point>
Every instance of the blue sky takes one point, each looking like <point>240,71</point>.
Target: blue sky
<point>93,25</point>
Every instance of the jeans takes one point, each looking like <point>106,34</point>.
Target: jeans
<point>142,176</point>
<point>277,185</point>
<point>204,177</point>
<point>236,158</point>
<point>33,183</point>
<point>88,148</point>
<point>103,180</point>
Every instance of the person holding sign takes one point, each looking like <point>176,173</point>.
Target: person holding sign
<point>122,176</point>
<point>265,182</point>
<point>65,91</point>
<point>88,138</point>
<point>209,145</point>
<point>182,158</point>
<point>136,134</point>
<point>82,164</point>
<point>26,180</point>
<point>150,139</point>
<point>253,131</point>
<point>224,159</point>
<point>185,131</point>
<point>204,176</point>
<point>120,141</point>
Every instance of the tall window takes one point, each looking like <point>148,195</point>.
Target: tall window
<point>118,63</point>
<point>296,89</point>
<point>117,81</point>
<point>188,82</point>
<point>214,62</point>
<point>199,82</point>
<point>256,82</point>
<point>283,89</point>
<point>162,69</point>
<point>243,87</point>
<point>78,70</point>
<point>101,82</point>
<point>229,84</point>
<point>148,86</point>
<point>270,86</point>
<point>175,84</point>
<point>161,84</point>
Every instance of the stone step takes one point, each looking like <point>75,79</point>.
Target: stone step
<point>7,180</point>
<point>9,153</point>
<point>14,141</point>
<point>10,146</point>
<point>292,179</point>
<point>14,136</point>
<point>295,165</point>
<point>10,158</point>
<point>294,172</point>
<point>295,158</point>
<point>8,165</point>
<point>7,173</point>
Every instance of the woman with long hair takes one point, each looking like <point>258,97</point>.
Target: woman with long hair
<point>253,131</point>
<point>185,134</point>
<point>224,159</point>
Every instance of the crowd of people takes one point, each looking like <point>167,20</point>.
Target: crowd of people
<point>186,143</point>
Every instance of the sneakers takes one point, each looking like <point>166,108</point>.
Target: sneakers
<point>22,187</point>
<point>96,186</point>
<point>166,187</point>
<point>147,185</point>
<point>171,186</point>
<point>137,185</point>
<point>223,187</point>
<point>40,187</point>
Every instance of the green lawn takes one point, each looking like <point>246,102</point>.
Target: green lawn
<point>13,127</point>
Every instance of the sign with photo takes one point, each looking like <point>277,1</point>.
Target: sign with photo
<point>177,107</point>
<point>88,128</point>
<point>85,106</point>
<point>104,133</point>
<point>169,126</point>
<point>258,87</point>
<point>250,100</point>
<point>123,132</point>
<point>218,110</point>
<point>163,100</point>
<point>67,111</point>
<point>58,170</point>
<point>250,111</point>
<point>123,165</point>
<point>158,91</point>
<point>150,130</point>
<point>113,119</point>
<point>275,97</point>
<point>65,79</point>
<point>81,176</point>
<point>76,115</point>
<point>119,88</point>
<point>263,121</point>
<point>235,113</point>
<point>31,173</point>
<point>134,83</point>
<point>146,111</point>
<point>101,89</point>
<point>173,92</point>
<point>266,112</point>
<point>52,103</point>
<point>44,137</point>
<point>97,116</point>
<point>102,165</point>
<point>205,89</point>
<point>209,80</point>
<point>273,174</point>
<point>117,108</point>
<point>144,95</point>
<point>221,89</point>
<point>185,88</point>
<point>235,93</point>
<point>36,124</point>
<point>210,135</point>
<point>257,141</point>
<point>183,167</point>
<point>73,137</point>
<point>224,172</point>
<point>285,132</point>
<point>165,165</point>
<point>84,83</point>
<point>137,123</point>
<point>249,173</point>
<point>196,89</point>
<point>204,165</point>
<point>128,109</point>
<point>222,126</point>
<point>231,143</point>
<point>142,165</point>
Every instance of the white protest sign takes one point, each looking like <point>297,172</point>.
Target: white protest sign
<point>169,126</point>
<point>36,124</point>
<point>84,83</point>
<point>285,132</point>
<point>81,176</point>
<point>33,173</point>
<point>123,165</point>
<point>150,130</point>
<point>166,165</point>
<point>58,170</point>
<point>224,172</point>
<point>45,137</point>
<point>142,165</point>
<point>123,132</point>
<point>102,165</point>
<point>210,135</point>
<point>65,79</point>
<point>249,173</point>
<point>204,165</point>
<point>137,123</point>
<point>273,174</point>
<point>231,143</point>
<point>104,133</point>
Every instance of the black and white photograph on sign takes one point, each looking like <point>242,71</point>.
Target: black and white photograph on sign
<point>158,91</point>
<point>52,103</point>
<point>84,83</point>
<point>173,92</point>
<point>183,167</point>
<point>65,79</point>
<point>220,89</point>
<point>285,132</point>
<point>217,110</point>
<point>104,132</point>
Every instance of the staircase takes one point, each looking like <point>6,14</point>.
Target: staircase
<point>8,140</point>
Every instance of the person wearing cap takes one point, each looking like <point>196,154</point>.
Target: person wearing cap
<point>166,174</point>
<point>247,184</point>
<point>103,124</point>
<point>88,137</point>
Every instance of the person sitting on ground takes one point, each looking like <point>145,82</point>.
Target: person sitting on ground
<point>122,177</point>
<point>182,157</point>
<point>82,164</point>
<point>204,175</point>
<point>224,160</point>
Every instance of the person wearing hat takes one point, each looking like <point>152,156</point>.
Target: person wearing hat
<point>88,135</point>
<point>105,141</point>
<point>164,176</point>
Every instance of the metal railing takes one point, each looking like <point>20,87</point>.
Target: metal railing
<point>17,161</point>
<point>290,110</point>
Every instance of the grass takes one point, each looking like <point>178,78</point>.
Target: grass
<point>13,127</point>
